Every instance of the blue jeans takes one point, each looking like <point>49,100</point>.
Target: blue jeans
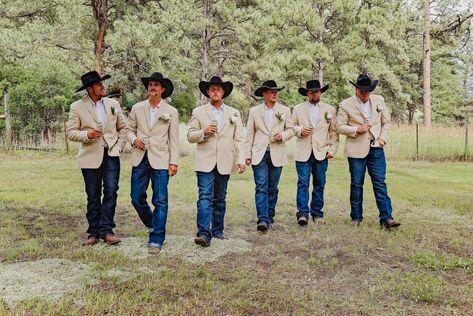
<point>304,169</point>
<point>156,220</point>
<point>211,204</point>
<point>375,162</point>
<point>266,177</point>
<point>100,212</point>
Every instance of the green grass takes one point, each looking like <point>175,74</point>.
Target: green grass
<point>422,268</point>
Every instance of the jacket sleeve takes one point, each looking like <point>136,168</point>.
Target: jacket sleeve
<point>239,141</point>
<point>122,126</point>
<point>250,135</point>
<point>295,121</point>
<point>342,123</point>
<point>288,127</point>
<point>385,123</point>
<point>333,135</point>
<point>73,131</point>
<point>195,133</point>
<point>174,139</point>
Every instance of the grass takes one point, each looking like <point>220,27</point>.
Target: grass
<point>425,267</point>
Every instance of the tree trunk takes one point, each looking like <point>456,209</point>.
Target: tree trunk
<point>100,9</point>
<point>321,71</point>
<point>426,66</point>
<point>8,129</point>
<point>221,58</point>
<point>206,36</point>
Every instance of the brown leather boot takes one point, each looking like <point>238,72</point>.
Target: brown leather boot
<point>90,241</point>
<point>111,239</point>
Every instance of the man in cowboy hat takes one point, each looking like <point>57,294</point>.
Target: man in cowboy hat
<point>99,125</point>
<point>218,131</point>
<point>364,119</point>
<point>269,127</point>
<point>315,128</point>
<point>154,136</point>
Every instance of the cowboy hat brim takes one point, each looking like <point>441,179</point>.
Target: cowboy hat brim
<point>259,91</point>
<point>226,85</point>
<point>92,82</point>
<point>303,91</point>
<point>369,88</point>
<point>165,83</point>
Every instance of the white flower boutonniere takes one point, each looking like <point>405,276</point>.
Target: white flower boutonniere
<point>328,117</point>
<point>280,116</point>
<point>379,108</point>
<point>234,118</point>
<point>165,117</point>
<point>113,110</point>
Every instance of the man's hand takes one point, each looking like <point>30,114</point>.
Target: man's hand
<point>241,168</point>
<point>328,156</point>
<point>306,131</point>
<point>381,143</point>
<point>172,170</point>
<point>277,138</point>
<point>363,128</point>
<point>139,144</point>
<point>211,129</point>
<point>94,134</point>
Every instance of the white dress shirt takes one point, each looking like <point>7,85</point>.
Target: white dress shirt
<point>218,115</point>
<point>269,115</point>
<point>366,106</point>
<point>314,110</point>
<point>153,113</point>
<point>99,109</point>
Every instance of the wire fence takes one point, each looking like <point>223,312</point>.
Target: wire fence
<point>406,142</point>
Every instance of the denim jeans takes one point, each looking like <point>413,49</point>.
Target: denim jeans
<point>155,220</point>
<point>375,162</point>
<point>100,212</point>
<point>266,177</point>
<point>304,169</point>
<point>211,204</point>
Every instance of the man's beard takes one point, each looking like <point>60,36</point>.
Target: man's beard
<point>314,101</point>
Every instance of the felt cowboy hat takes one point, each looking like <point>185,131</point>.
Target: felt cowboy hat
<point>312,85</point>
<point>365,83</point>
<point>267,85</point>
<point>165,83</point>
<point>90,78</point>
<point>227,86</point>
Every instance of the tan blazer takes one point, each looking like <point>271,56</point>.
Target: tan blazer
<point>82,118</point>
<point>224,149</point>
<point>258,135</point>
<point>324,138</point>
<point>351,115</point>
<point>163,134</point>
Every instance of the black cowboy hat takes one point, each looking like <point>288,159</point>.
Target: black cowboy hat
<point>90,78</point>
<point>365,83</point>
<point>267,85</point>
<point>312,85</point>
<point>165,83</point>
<point>227,86</point>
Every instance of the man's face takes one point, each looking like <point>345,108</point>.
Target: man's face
<point>215,92</point>
<point>363,96</point>
<point>270,95</point>
<point>155,89</point>
<point>97,89</point>
<point>314,96</point>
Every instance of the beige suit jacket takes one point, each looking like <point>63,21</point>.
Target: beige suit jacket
<point>163,134</point>
<point>324,137</point>
<point>258,135</point>
<point>224,149</point>
<point>351,115</point>
<point>82,118</point>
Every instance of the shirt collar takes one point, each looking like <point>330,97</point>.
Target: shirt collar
<point>157,107</point>
<point>312,104</point>
<point>215,110</point>
<point>361,102</point>
<point>269,109</point>
<point>100,101</point>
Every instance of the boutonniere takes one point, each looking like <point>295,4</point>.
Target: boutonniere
<point>379,108</point>
<point>165,117</point>
<point>113,110</point>
<point>328,117</point>
<point>280,116</point>
<point>234,118</point>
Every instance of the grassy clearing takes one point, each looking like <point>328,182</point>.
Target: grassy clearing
<point>425,267</point>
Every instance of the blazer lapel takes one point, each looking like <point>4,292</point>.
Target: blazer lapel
<point>209,112</point>
<point>108,113</point>
<point>88,104</point>
<point>373,108</point>
<point>263,116</point>
<point>146,115</point>
<point>321,112</point>
<point>358,106</point>
<point>161,111</point>
<point>225,118</point>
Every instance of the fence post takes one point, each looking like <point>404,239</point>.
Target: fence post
<point>466,138</point>
<point>9,134</point>
<point>417,140</point>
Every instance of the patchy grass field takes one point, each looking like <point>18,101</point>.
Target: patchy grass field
<point>425,267</point>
